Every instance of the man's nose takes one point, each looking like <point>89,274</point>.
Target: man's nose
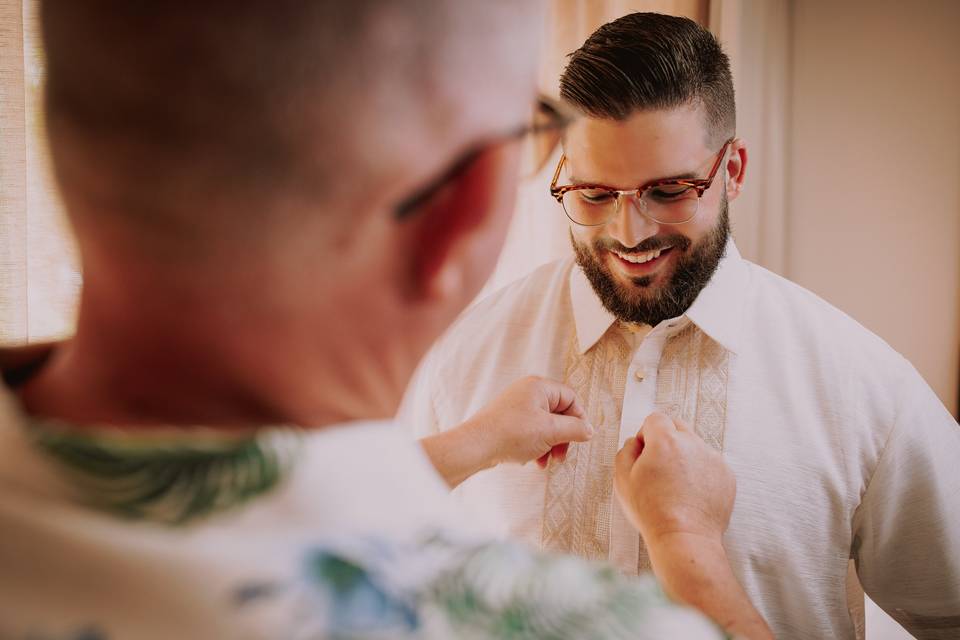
<point>629,225</point>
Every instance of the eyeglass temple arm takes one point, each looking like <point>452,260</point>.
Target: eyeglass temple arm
<point>556,176</point>
<point>720,157</point>
<point>705,184</point>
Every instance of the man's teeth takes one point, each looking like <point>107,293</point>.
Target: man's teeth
<point>640,258</point>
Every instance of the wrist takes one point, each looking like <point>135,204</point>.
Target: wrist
<point>683,562</point>
<point>694,569</point>
<point>475,435</point>
<point>683,543</point>
<point>458,453</point>
<point>691,567</point>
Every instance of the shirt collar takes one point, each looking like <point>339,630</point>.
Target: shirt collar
<point>717,311</point>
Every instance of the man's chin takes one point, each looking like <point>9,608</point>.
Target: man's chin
<point>638,286</point>
<point>634,293</point>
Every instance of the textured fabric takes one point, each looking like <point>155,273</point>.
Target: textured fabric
<point>840,449</point>
<point>343,533</point>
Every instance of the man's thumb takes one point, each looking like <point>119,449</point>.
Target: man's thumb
<point>570,429</point>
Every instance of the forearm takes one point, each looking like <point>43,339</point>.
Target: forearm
<point>458,453</point>
<point>696,572</point>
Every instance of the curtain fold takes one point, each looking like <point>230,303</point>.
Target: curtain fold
<point>39,279</point>
<point>13,187</point>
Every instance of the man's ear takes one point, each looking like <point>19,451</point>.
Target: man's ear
<point>735,167</point>
<point>456,236</point>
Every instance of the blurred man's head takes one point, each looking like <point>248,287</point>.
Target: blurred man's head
<point>245,160</point>
<point>657,96</point>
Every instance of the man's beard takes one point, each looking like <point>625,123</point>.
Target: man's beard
<point>639,303</point>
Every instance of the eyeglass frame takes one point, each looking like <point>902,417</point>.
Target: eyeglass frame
<point>561,117</point>
<point>700,185</point>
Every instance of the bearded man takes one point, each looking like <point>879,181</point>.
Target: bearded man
<point>840,449</point>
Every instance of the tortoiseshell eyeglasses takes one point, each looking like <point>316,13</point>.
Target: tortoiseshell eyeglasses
<point>663,201</point>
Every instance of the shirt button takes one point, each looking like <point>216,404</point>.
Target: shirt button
<point>639,374</point>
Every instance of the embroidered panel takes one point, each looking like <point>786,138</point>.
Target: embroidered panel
<point>692,383</point>
<point>579,492</point>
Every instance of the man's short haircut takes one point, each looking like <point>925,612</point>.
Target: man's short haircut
<point>651,61</point>
<point>160,110</point>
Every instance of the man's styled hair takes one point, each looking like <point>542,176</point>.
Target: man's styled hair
<point>647,61</point>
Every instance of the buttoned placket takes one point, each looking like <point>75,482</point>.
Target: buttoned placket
<point>640,394</point>
<point>639,401</point>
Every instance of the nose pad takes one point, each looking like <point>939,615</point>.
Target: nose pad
<point>631,225</point>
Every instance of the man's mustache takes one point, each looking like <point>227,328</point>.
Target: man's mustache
<point>652,243</point>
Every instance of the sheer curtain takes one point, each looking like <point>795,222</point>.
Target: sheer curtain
<point>39,279</point>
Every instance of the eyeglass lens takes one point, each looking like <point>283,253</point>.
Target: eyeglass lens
<point>668,204</point>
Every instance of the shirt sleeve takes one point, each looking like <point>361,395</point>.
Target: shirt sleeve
<point>906,532</point>
<point>417,413</point>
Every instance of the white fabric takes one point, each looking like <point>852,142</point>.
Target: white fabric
<point>839,447</point>
<point>66,571</point>
<point>360,540</point>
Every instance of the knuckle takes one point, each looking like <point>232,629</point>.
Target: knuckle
<point>658,425</point>
<point>658,418</point>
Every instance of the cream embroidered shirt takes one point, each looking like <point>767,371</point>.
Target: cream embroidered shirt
<point>840,449</point>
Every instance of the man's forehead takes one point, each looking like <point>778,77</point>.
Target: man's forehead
<point>648,145</point>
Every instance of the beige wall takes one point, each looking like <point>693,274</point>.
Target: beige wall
<point>873,211</point>
<point>872,172</point>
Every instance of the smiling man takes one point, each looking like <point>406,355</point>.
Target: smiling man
<point>840,449</point>
<point>650,267</point>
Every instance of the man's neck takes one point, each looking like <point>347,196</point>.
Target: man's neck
<point>166,364</point>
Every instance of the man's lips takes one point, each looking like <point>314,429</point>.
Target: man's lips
<point>637,263</point>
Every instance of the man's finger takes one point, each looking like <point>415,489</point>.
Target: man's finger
<point>627,456</point>
<point>569,429</point>
<point>658,423</point>
<point>561,398</point>
<point>681,425</point>
<point>559,451</point>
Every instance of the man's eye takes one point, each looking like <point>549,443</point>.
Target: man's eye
<point>596,196</point>
<point>672,192</point>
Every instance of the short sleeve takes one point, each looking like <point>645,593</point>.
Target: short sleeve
<point>906,531</point>
<point>417,413</point>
